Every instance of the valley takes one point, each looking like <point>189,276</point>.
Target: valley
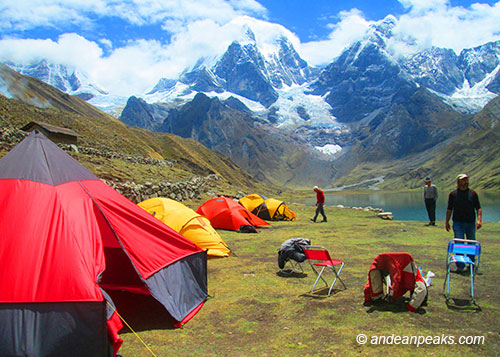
<point>370,112</point>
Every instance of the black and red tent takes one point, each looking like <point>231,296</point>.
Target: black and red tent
<point>65,235</point>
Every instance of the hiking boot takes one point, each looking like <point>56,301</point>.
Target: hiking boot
<point>324,220</point>
<point>312,220</point>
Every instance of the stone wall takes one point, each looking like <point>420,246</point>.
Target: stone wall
<point>178,191</point>
<point>10,137</point>
<point>117,155</point>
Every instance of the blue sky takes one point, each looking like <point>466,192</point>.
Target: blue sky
<point>310,19</point>
<point>127,45</point>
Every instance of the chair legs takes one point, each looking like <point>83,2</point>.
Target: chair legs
<point>296,267</point>
<point>446,284</point>
<point>319,277</point>
<point>337,277</point>
<point>472,268</point>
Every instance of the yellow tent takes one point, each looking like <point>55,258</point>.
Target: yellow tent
<point>267,208</point>
<point>187,222</point>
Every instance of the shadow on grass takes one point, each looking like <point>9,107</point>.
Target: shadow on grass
<point>290,274</point>
<point>141,312</point>
<point>397,306</point>
<point>463,305</point>
<point>321,293</point>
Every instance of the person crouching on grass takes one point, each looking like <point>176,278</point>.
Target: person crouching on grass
<point>320,201</point>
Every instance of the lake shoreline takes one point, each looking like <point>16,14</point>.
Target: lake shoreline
<point>405,205</point>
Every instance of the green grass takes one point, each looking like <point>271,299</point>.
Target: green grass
<point>254,311</point>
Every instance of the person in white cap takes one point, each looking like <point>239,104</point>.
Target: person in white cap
<point>464,203</point>
<point>430,197</point>
<point>320,201</point>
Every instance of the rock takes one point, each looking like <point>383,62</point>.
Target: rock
<point>386,215</point>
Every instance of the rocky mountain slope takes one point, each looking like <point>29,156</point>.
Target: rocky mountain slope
<point>259,149</point>
<point>366,90</point>
<point>476,151</point>
<point>104,133</point>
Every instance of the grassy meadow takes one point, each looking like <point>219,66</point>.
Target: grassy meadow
<point>254,310</point>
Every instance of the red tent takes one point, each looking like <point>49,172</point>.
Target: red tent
<point>64,235</point>
<point>225,213</point>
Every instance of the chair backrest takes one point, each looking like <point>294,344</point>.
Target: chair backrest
<point>463,246</point>
<point>316,253</point>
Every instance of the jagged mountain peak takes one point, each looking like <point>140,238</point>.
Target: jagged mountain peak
<point>436,69</point>
<point>253,67</point>
<point>249,35</point>
<point>381,31</point>
<point>479,61</point>
<point>64,77</point>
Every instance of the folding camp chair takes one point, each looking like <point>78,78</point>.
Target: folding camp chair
<point>319,257</point>
<point>466,252</point>
<point>292,266</point>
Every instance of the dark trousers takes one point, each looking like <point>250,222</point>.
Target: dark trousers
<point>430,205</point>
<point>319,209</point>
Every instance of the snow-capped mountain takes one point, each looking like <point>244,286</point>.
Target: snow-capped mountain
<point>467,81</point>
<point>64,78</point>
<point>72,81</point>
<point>357,94</point>
<point>364,79</point>
<point>366,76</point>
<point>268,78</point>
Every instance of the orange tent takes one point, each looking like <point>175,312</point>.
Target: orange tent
<point>225,213</point>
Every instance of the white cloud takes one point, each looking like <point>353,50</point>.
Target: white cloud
<point>205,28</point>
<point>423,6</point>
<point>427,22</point>
<point>136,67</point>
<point>70,49</point>
<point>198,28</point>
<point>437,23</point>
<point>351,27</point>
<point>28,14</point>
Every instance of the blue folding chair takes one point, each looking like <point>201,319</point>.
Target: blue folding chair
<point>466,252</point>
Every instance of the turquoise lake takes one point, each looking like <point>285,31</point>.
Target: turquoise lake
<point>408,206</point>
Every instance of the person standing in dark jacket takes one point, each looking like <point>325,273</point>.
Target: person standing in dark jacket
<point>463,203</point>
<point>320,201</point>
<point>430,197</point>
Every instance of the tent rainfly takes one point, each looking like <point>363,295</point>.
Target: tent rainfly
<point>64,236</point>
<point>187,222</point>
<point>270,209</point>
<point>225,213</point>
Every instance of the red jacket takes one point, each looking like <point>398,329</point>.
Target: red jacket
<point>320,196</point>
<point>404,277</point>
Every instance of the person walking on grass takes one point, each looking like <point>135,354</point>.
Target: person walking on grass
<point>430,197</point>
<point>464,203</point>
<point>320,201</point>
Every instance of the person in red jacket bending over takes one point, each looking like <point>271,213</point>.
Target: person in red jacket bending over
<point>320,201</point>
